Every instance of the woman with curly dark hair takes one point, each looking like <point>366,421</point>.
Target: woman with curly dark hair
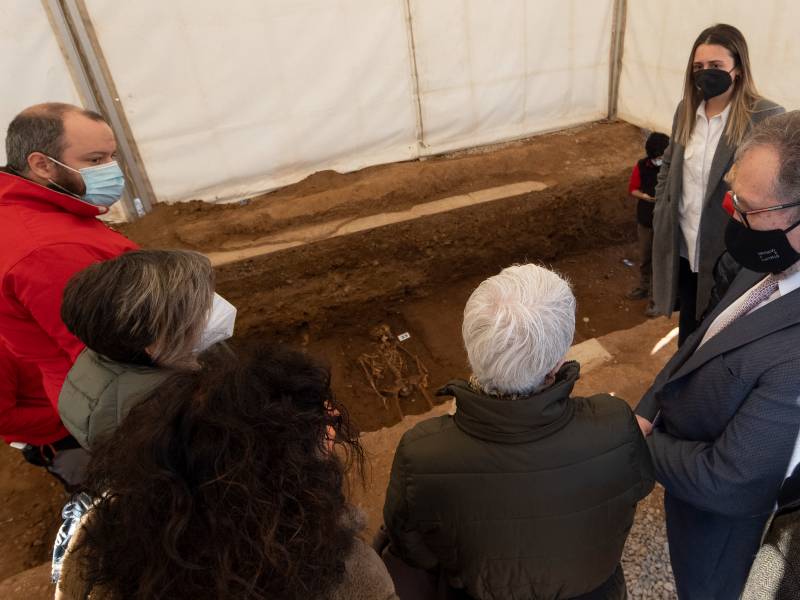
<point>227,483</point>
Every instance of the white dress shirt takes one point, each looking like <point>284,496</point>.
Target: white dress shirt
<point>697,159</point>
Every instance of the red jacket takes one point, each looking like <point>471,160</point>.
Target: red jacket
<point>26,414</point>
<point>45,238</point>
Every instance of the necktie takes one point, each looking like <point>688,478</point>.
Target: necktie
<point>765,288</point>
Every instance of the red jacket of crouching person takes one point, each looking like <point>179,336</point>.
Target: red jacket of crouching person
<point>45,238</point>
<point>26,414</point>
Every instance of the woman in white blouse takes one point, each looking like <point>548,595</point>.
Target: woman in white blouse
<point>720,104</point>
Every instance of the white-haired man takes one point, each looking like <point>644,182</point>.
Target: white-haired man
<point>526,492</point>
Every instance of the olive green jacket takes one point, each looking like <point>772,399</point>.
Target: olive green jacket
<point>98,393</point>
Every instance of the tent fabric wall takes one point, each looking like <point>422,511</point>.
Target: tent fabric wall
<point>34,69</point>
<point>659,36</point>
<point>228,99</point>
<point>491,71</point>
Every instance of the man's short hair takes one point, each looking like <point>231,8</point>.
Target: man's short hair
<point>40,128</point>
<point>142,303</point>
<point>517,326</point>
<point>781,133</point>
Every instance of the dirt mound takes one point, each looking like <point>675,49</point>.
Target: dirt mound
<point>32,584</point>
<point>586,151</point>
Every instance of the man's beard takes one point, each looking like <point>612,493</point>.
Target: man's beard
<point>67,182</point>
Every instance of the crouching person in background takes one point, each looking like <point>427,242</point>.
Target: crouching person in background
<point>226,483</point>
<point>526,492</point>
<point>143,316</point>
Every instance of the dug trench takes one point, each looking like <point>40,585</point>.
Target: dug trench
<point>346,297</point>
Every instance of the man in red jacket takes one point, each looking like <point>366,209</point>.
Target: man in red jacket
<point>61,174</point>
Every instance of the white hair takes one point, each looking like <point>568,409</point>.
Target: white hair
<point>518,326</point>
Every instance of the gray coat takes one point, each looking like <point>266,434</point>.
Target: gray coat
<point>729,422</point>
<point>713,219</point>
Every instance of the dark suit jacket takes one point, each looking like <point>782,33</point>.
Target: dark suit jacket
<point>729,423</point>
<point>666,226</point>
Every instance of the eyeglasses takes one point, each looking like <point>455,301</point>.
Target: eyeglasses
<point>744,213</point>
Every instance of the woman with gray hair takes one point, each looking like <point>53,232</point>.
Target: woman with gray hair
<point>527,491</point>
<point>143,316</point>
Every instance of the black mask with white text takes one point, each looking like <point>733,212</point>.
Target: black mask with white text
<point>766,251</point>
<point>712,82</point>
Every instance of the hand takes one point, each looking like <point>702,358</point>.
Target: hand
<point>645,425</point>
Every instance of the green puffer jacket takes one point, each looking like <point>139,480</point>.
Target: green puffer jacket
<point>98,393</point>
<point>520,498</point>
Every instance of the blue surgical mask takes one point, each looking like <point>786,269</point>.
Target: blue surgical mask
<point>104,183</point>
<point>657,161</point>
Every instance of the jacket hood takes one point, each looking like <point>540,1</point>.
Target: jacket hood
<point>516,421</point>
<point>14,188</point>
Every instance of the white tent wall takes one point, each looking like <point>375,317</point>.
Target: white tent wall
<point>492,71</point>
<point>659,36</point>
<point>228,99</point>
<point>33,66</point>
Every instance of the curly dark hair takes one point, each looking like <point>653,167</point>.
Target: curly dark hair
<point>222,485</point>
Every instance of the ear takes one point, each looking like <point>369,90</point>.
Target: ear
<point>555,369</point>
<point>40,167</point>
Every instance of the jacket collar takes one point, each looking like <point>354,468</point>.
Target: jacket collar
<point>780,313</point>
<point>15,188</point>
<point>518,421</point>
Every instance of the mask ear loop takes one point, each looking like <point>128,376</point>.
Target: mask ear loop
<point>796,223</point>
<point>59,186</point>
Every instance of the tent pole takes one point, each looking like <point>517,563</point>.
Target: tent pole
<point>415,77</point>
<point>618,23</point>
<point>78,42</point>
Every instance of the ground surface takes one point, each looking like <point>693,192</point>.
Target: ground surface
<point>332,295</point>
<point>414,276</point>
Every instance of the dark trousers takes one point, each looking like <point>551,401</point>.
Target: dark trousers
<point>645,237</point>
<point>711,554</point>
<point>64,459</point>
<point>687,299</point>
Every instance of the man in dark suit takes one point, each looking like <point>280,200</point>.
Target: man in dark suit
<point>723,416</point>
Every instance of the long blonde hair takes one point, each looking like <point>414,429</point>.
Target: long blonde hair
<point>744,94</point>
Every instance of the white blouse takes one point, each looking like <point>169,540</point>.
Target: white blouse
<point>697,159</point>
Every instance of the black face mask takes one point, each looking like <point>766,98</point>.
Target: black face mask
<point>760,251</point>
<point>712,82</point>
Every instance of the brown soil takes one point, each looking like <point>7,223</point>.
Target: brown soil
<point>414,276</point>
<point>30,513</point>
<point>433,319</point>
<point>583,153</point>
